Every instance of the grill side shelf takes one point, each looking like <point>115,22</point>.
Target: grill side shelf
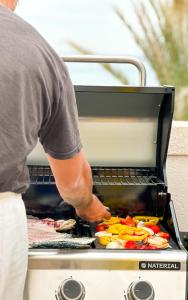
<point>101,176</point>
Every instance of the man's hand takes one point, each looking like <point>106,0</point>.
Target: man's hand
<point>95,211</point>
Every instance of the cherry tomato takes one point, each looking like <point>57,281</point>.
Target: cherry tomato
<point>130,245</point>
<point>100,228</point>
<point>155,228</point>
<point>164,235</point>
<point>127,221</point>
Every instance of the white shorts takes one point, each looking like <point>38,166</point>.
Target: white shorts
<point>13,246</point>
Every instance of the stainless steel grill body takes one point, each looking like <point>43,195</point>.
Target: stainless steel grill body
<point>105,275</point>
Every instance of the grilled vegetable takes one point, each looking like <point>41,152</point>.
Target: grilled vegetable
<point>127,221</point>
<point>158,242</point>
<point>111,221</point>
<point>115,245</point>
<point>100,227</point>
<point>164,235</point>
<point>130,245</point>
<point>150,231</point>
<point>102,233</point>
<point>105,240</point>
<point>117,228</point>
<point>134,234</point>
<point>154,228</point>
<point>147,220</point>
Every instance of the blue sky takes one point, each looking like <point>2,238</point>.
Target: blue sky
<point>92,24</point>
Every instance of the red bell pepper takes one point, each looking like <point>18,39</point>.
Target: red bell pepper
<point>164,235</point>
<point>155,228</point>
<point>100,227</point>
<point>130,245</point>
<point>127,221</point>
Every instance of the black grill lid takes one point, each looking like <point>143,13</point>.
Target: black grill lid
<point>126,126</point>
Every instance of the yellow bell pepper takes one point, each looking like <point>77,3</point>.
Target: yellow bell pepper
<point>135,238</point>
<point>105,240</point>
<point>147,220</point>
<point>111,221</point>
<point>133,234</point>
<point>117,228</point>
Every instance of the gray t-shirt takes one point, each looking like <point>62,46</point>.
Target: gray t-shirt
<point>37,100</point>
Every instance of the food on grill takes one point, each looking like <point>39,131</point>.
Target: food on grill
<point>154,228</point>
<point>164,235</point>
<point>158,242</point>
<point>61,245</point>
<point>128,221</point>
<point>116,245</point>
<point>63,225</point>
<point>43,234</point>
<point>147,220</point>
<point>105,240</point>
<point>149,231</point>
<point>66,242</point>
<point>39,235</point>
<point>134,234</point>
<point>102,227</point>
<point>144,236</point>
<point>112,221</point>
<point>60,225</point>
<point>117,228</point>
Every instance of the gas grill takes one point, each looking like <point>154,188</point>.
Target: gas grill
<point>125,132</point>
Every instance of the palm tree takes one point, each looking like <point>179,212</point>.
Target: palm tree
<point>164,42</point>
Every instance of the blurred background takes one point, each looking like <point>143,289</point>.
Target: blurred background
<point>156,32</point>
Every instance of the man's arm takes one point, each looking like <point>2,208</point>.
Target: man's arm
<point>74,182</point>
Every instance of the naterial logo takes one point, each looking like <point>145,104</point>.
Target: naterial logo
<point>153,265</point>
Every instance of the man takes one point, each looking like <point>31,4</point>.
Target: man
<point>36,101</point>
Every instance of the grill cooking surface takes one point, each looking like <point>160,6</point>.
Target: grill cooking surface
<point>127,179</point>
<point>101,176</point>
<point>86,229</point>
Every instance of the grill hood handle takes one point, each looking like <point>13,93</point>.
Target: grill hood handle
<point>110,59</point>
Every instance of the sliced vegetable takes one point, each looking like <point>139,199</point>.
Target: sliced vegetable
<point>117,228</point>
<point>150,231</point>
<point>130,245</point>
<point>100,227</point>
<point>111,221</point>
<point>147,220</point>
<point>115,245</point>
<point>164,235</point>
<point>157,241</point>
<point>102,233</point>
<point>133,234</point>
<point>105,240</point>
<point>127,221</point>
<point>154,228</point>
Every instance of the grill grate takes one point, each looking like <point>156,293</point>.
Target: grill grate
<point>41,175</point>
<point>101,176</point>
<point>124,176</point>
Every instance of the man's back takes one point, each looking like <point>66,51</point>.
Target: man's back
<point>32,79</point>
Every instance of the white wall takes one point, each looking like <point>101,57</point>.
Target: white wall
<point>177,171</point>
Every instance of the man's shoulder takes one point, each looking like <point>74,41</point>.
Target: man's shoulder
<point>26,38</point>
<point>14,25</point>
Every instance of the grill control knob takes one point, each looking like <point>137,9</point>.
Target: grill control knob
<point>71,289</point>
<point>141,290</point>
